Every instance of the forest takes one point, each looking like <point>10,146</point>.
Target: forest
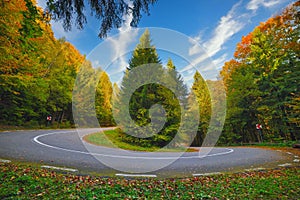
<point>262,81</point>
<point>38,72</point>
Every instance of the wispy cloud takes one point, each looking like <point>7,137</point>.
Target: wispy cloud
<point>220,61</point>
<point>255,4</point>
<point>196,41</point>
<point>96,64</point>
<point>58,29</point>
<point>121,42</point>
<point>118,45</point>
<point>228,25</point>
<point>41,3</point>
<point>60,32</point>
<point>234,21</point>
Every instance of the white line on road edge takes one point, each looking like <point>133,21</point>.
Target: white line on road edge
<point>4,161</point>
<point>36,140</point>
<point>59,168</point>
<point>285,164</point>
<point>207,174</point>
<point>255,169</point>
<point>137,175</point>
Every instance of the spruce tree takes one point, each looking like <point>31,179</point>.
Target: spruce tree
<point>176,101</point>
<point>103,99</point>
<point>144,53</point>
<point>201,92</point>
<point>160,90</point>
<point>177,82</point>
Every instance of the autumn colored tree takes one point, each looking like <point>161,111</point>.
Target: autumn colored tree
<point>262,79</point>
<point>37,70</point>
<point>18,66</point>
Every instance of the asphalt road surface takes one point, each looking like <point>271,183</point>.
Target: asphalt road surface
<point>65,148</point>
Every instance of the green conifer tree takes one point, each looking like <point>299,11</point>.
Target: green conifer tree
<point>145,64</point>
<point>103,100</point>
<point>202,95</point>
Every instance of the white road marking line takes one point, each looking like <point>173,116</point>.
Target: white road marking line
<point>137,175</point>
<point>59,168</point>
<point>207,174</point>
<point>296,160</point>
<point>4,161</point>
<point>35,139</point>
<point>255,169</point>
<point>285,164</point>
<point>217,154</point>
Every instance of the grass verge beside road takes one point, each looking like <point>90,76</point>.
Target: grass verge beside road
<point>265,144</point>
<point>21,181</point>
<point>111,138</point>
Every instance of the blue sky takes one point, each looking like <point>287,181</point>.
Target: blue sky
<point>212,26</point>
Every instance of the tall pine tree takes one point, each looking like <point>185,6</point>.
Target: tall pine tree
<point>201,92</point>
<point>103,100</point>
<point>145,64</point>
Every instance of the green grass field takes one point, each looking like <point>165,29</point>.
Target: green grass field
<point>111,138</point>
<point>21,181</point>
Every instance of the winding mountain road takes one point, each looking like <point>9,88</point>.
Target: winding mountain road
<point>66,148</point>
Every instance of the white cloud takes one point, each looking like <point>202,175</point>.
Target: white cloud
<point>96,63</point>
<point>228,25</point>
<point>234,21</point>
<point>191,71</point>
<point>59,31</point>
<point>195,62</point>
<point>220,61</point>
<point>255,4</point>
<point>58,28</point>
<point>196,41</point>
<point>121,42</point>
<point>41,3</point>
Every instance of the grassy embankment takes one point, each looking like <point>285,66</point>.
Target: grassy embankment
<point>20,181</point>
<point>111,138</point>
<point>266,144</point>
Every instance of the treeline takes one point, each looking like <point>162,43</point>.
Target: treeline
<point>162,110</point>
<point>38,71</point>
<point>262,82</point>
<point>38,74</point>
